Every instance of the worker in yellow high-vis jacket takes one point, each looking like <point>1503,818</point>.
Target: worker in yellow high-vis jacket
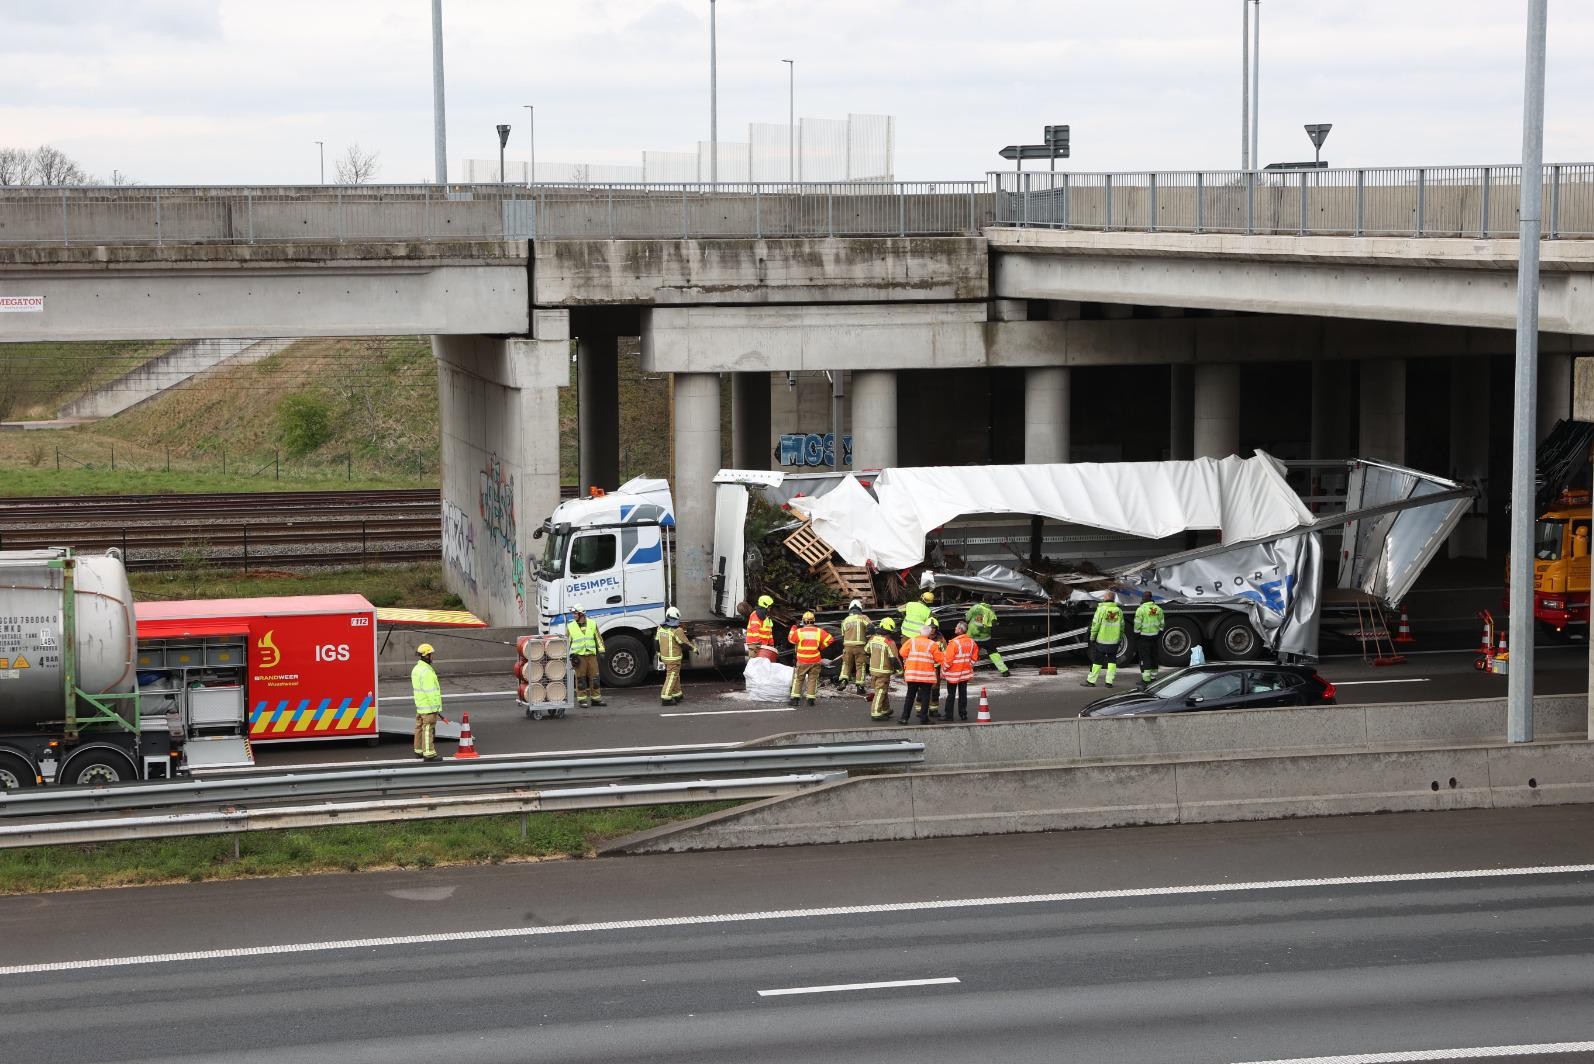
<point>428,694</point>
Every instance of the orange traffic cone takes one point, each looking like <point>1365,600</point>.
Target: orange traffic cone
<point>984,715</point>
<point>1502,657</point>
<point>1403,633</point>
<point>467,742</point>
<point>1486,646</point>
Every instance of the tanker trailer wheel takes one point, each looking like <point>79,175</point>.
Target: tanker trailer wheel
<point>15,775</point>
<point>1237,640</point>
<point>1178,639</point>
<point>625,662</point>
<point>96,767</point>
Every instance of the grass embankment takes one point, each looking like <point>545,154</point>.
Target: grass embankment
<point>414,585</point>
<point>351,848</point>
<point>38,379</point>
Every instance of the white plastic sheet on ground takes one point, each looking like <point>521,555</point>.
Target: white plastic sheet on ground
<point>767,681</point>
<point>1244,498</point>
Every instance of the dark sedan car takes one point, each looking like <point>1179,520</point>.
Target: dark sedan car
<point>1223,685</point>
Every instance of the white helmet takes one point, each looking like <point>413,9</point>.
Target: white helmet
<point>577,608</point>
<point>856,606</point>
<point>673,613</point>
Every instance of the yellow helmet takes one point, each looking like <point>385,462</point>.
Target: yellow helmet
<point>765,601</point>
<point>927,598</point>
<point>887,624</point>
<point>424,650</point>
<point>808,616</point>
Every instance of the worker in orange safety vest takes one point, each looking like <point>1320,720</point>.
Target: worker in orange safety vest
<point>810,641</point>
<point>920,656</point>
<point>760,627</point>
<point>958,669</point>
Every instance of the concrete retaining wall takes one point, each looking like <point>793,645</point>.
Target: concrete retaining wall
<point>1002,801</point>
<point>1239,731</point>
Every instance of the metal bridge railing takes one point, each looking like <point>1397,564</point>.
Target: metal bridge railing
<point>346,214</point>
<point>1460,201</point>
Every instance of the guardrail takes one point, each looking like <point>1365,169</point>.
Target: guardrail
<point>237,821</point>
<point>346,214</point>
<point>1477,201</point>
<point>452,775</point>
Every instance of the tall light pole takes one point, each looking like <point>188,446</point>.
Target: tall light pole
<point>791,119</point>
<point>439,128</point>
<point>1256,84</point>
<point>713,101</point>
<point>531,126</point>
<point>322,149</point>
<point>1245,84</point>
<point>1519,681</point>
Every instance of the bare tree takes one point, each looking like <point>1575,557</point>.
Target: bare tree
<point>52,166</point>
<point>357,167</point>
<point>16,166</point>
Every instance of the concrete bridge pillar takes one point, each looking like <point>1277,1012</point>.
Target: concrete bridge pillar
<point>1555,390</point>
<point>499,402</point>
<point>1469,450</point>
<point>1382,425</point>
<point>697,459</point>
<point>1181,408</point>
<point>750,427</point>
<point>1217,410</point>
<point>1047,395</point>
<point>874,419</point>
<point>598,370</point>
<point>1331,410</point>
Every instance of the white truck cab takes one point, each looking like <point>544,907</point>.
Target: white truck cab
<point>610,554</point>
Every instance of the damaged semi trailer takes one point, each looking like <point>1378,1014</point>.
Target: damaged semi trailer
<point>1256,591</point>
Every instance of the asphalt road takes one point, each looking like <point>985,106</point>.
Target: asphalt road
<point>1220,943</point>
<point>717,710</point>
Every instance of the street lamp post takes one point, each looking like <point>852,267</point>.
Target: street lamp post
<point>531,127</point>
<point>791,119</point>
<point>503,140</point>
<point>1245,84</point>
<point>439,126</point>
<point>713,101</point>
<point>321,148</point>
<point>1256,84</point>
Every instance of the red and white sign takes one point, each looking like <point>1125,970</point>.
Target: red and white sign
<point>21,304</point>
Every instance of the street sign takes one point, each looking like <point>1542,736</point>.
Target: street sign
<point>1033,151</point>
<point>1057,137</point>
<point>1319,133</point>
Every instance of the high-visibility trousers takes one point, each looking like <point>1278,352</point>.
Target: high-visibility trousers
<point>672,682</point>
<point>854,664</point>
<point>879,703</point>
<point>805,680</point>
<point>587,678</point>
<point>426,733</point>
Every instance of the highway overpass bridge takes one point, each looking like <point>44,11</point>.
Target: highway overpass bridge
<point>1032,318</point>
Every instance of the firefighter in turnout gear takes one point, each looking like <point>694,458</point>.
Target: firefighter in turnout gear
<point>915,615</point>
<point>428,702</point>
<point>673,648</point>
<point>981,622</point>
<point>1149,621</point>
<point>1106,629</point>
<point>854,652</point>
<point>810,640</point>
<point>760,627</point>
<point>585,645</point>
<point>883,662</point>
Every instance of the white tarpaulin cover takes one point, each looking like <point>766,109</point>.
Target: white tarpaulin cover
<point>1244,498</point>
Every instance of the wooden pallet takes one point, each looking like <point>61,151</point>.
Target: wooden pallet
<point>806,544</point>
<point>851,580</point>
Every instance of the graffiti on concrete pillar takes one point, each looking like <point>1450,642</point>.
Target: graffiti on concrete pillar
<point>459,543</point>
<point>506,567</point>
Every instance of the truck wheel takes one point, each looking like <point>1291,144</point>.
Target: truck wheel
<point>15,775</point>
<point>1126,650</point>
<point>96,767</point>
<point>625,662</point>
<point>1237,640</point>
<point>1179,638</point>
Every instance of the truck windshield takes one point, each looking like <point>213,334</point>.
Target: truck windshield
<point>1547,540</point>
<point>553,555</point>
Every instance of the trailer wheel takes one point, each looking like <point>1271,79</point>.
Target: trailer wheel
<point>625,662</point>
<point>15,774</point>
<point>1237,640</point>
<point>96,767</point>
<point>1178,639</point>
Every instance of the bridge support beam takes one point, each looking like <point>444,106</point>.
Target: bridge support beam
<point>1382,425</point>
<point>697,459</point>
<point>874,419</point>
<point>1469,449</point>
<point>1555,389</point>
<point>750,428</point>
<point>1217,410</point>
<point>499,403</point>
<point>1047,394</point>
<point>598,371</point>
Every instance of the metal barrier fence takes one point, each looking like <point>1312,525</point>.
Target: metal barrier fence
<point>1460,201</point>
<point>344,214</point>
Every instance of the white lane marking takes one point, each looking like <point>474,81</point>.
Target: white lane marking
<point>1470,1053</point>
<point>839,987</point>
<point>789,914</point>
<point>728,712</point>
<point>1364,683</point>
<point>453,695</point>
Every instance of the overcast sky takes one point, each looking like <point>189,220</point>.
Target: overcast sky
<point>238,91</point>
